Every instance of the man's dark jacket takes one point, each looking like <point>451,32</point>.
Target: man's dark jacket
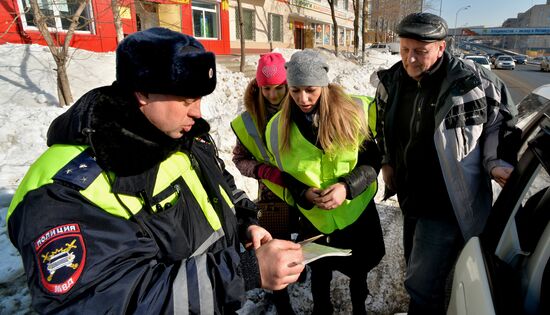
<point>165,258</point>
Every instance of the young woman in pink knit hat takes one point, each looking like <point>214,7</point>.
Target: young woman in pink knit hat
<point>262,99</point>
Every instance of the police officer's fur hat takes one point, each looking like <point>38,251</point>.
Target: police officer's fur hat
<point>162,61</point>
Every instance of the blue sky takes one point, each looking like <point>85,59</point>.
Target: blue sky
<point>481,12</point>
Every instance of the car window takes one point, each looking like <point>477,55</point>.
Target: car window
<point>540,182</point>
<point>523,197</point>
<point>505,58</point>
<point>530,112</point>
<point>480,60</point>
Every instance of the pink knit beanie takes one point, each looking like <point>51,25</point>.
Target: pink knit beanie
<point>271,70</point>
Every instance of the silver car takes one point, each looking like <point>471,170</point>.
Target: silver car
<point>545,64</point>
<point>385,48</point>
<point>481,60</point>
<point>505,62</point>
<point>506,269</point>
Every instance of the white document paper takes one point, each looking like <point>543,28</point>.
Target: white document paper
<point>313,251</point>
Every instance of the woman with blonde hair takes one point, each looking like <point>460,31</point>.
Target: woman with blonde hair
<point>262,99</point>
<point>322,142</point>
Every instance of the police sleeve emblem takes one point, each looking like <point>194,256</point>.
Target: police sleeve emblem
<point>60,255</point>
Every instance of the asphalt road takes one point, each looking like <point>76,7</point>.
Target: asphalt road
<point>523,79</point>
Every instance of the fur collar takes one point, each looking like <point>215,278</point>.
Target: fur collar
<point>122,138</point>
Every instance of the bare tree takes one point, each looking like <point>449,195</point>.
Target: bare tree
<point>356,14</point>
<point>115,6</point>
<point>364,29</point>
<point>60,51</point>
<point>386,14</point>
<point>265,27</point>
<point>335,26</point>
<point>241,31</point>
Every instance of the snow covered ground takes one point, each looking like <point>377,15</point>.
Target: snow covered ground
<point>28,103</point>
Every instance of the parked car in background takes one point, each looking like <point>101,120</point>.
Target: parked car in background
<point>545,64</point>
<point>380,47</point>
<point>395,47</point>
<point>505,62</point>
<point>536,60</point>
<point>481,60</point>
<point>520,59</point>
<point>506,269</point>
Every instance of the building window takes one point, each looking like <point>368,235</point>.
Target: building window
<point>58,14</point>
<point>205,19</point>
<point>318,33</point>
<point>152,14</point>
<point>276,27</point>
<point>249,24</point>
<point>341,36</point>
<point>327,34</point>
<point>349,37</point>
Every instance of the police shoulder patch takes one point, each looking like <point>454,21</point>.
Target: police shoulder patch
<point>60,255</point>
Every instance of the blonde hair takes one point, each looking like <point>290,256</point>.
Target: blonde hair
<point>255,104</point>
<point>342,123</point>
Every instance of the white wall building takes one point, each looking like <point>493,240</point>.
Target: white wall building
<point>296,24</point>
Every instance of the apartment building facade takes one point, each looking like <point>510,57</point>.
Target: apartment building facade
<point>207,20</point>
<point>536,16</point>
<point>268,24</point>
<point>299,24</point>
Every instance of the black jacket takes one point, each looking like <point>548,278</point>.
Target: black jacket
<point>160,259</point>
<point>472,120</point>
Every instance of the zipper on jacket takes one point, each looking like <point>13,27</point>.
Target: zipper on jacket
<point>414,124</point>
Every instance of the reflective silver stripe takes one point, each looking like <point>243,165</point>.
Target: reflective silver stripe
<point>206,295</point>
<point>253,132</point>
<point>241,196</point>
<point>274,140</point>
<point>216,235</point>
<point>179,291</point>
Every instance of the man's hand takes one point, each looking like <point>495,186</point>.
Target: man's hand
<point>501,174</point>
<point>331,197</point>
<point>280,263</point>
<point>258,235</point>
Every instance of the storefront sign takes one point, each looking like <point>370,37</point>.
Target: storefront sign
<point>306,4</point>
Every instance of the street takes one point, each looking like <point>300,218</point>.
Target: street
<point>523,79</point>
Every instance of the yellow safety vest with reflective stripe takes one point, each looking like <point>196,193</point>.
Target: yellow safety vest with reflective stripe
<point>315,168</point>
<point>246,129</point>
<point>98,192</point>
<point>369,107</point>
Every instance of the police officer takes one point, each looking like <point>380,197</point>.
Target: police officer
<point>130,210</point>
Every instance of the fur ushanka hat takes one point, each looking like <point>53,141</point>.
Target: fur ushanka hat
<point>161,61</point>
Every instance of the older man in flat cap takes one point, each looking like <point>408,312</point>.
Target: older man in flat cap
<point>442,125</point>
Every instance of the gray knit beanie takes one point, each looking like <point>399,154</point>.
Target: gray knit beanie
<point>307,68</point>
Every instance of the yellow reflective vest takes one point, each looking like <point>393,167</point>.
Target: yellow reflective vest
<point>57,157</point>
<point>316,168</point>
<point>246,129</point>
